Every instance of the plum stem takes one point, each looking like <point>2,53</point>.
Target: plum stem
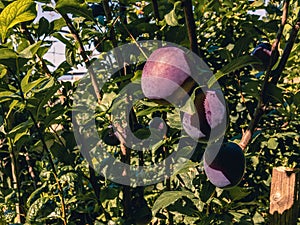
<point>274,74</point>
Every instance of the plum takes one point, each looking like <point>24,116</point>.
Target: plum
<point>166,76</point>
<point>263,53</point>
<point>109,137</point>
<point>97,10</point>
<point>210,117</point>
<point>224,167</point>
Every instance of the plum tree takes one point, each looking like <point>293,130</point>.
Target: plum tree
<point>210,114</point>
<point>224,167</point>
<point>166,76</point>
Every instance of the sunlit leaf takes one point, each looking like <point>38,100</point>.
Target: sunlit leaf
<point>168,198</point>
<point>17,12</point>
<point>76,7</point>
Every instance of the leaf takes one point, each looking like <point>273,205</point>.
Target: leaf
<point>274,92</point>
<point>75,7</point>
<point>7,95</point>
<point>11,59</point>
<point>16,12</point>
<point>235,64</point>
<point>3,71</point>
<point>39,210</point>
<point>36,194</point>
<point>20,130</point>
<point>297,99</point>
<point>28,87</point>
<point>31,50</point>
<point>168,198</point>
<point>44,27</point>
<point>25,79</point>
<point>171,17</point>
<point>238,193</point>
<point>258,3</point>
<point>272,143</point>
<point>6,53</point>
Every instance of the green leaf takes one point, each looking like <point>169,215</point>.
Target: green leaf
<point>44,27</point>
<point>6,53</point>
<point>258,3</point>
<point>238,193</point>
<point>272,143</point>
<point>274,92</point>
<point>168,198</point>
<point>297,99</point>
<point>75,7</point>
<point>36,194</point>
<point>20,130</point>
<point>16,12</point>
<point>171,17</point>
<point>11,59</point>
<point>28,87</point>
<point>235,64</point>
<point>31,50</point>
<point>3,71</point>
<point>25,79</point>
<point>7,95</point>
<point>39,210</point>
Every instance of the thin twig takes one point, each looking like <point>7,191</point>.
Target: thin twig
<point>134,40</point>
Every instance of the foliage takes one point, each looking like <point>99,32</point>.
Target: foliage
<point>45,179</point>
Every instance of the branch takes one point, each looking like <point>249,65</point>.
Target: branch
<point>263,101</point>
<point>48,153</point>
<point>155,9</point>
<point>286,53</point>
<point>191,26</point>
<point>84,56</point>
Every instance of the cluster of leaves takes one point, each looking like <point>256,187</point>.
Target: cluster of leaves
<point>45,179</point>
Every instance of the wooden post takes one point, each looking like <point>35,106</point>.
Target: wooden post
<point>284,196</point>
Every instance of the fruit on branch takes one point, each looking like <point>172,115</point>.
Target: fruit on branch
<point>97,10</point>
<point>141,212</point>
<point>98,13</point>
<point>209,121</point>
<point>166,76</point>
<point>224,167</point>
<point>263,53</point>
<point>109,137</point>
